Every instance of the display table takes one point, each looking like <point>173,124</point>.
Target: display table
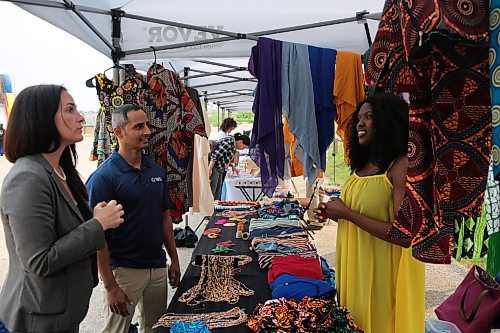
<point>251,275</point>
<point>243,189</point>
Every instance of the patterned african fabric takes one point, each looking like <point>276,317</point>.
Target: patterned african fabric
<point>495,84</point>
<point>267,149</point>
<point>102,146</point>
<point>111,96</point>
<point>471,238</point>
<point>438,52</point>
<point>173,121</point>
<point>492,203</point>
<point>305,316</point>
<point>322,62</point>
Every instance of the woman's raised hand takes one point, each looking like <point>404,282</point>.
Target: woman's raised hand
<point>109,214</point>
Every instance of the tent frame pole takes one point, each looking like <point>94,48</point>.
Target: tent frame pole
<point>218,117</point>
<point>68,5</point>
<point>53,4</point>
<point>205,74</point>
<point>71,6</point>
<point>219,83</point>
<point>227,92</point>
<point>252,36</point>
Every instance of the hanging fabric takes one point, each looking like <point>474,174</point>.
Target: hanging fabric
<point>322,62</point>
<point>348,91</point>
<point>438,52</point>
<point>173,121</point>
<point>296,167</point>
<point>203,199</point>
<point>495,84</point>
<point>195,97</point>
<point>298,107</point>
<point>111,96</point>
<point>266,145</point>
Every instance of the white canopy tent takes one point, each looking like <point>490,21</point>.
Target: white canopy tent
<point>208,42</point>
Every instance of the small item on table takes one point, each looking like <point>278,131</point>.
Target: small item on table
<point>212,231</point>
<point>228,243</point>
<point>222,249</point>
<point>239,230</point>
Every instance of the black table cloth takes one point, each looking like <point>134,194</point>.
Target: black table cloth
<point>251,275</point>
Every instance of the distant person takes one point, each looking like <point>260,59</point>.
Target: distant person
<point>222,158</point>
<point>228,125</point>
<point>2,132</point>
<point>51,233</point>
<point>133,264</point>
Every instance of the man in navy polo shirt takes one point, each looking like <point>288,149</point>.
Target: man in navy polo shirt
<point>133,264</point>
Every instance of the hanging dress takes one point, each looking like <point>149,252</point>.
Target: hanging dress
<point>380,283</point>
<point>173,121</point>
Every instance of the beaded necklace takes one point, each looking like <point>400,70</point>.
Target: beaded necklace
<point>234,213</point>
<point>217,283</point>
<point>233,317</point>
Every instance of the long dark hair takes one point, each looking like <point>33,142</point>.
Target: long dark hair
<point>32,130</point>
<point>390,123</point>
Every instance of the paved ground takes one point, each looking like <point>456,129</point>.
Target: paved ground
<point>441,280</point>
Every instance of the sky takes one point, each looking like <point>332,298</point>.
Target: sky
<point>33,52</point>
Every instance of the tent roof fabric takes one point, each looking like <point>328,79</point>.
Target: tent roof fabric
<point>221,18</point>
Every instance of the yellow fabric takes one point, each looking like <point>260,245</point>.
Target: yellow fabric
<point>296,169</point>
<point>348,90</point>
<point>380,283</point>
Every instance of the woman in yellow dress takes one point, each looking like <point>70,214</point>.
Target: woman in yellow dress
<point>377,278</point>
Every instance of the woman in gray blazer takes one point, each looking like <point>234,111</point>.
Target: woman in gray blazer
<point>50,231</point>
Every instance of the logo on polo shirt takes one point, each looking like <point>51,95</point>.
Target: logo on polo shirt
<point>156,179</point>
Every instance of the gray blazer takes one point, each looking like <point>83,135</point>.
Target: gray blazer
<point>50,246</point>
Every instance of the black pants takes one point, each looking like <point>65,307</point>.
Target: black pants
<point>216,182</point>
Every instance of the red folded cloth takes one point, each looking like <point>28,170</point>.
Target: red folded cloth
<point>295,265</point>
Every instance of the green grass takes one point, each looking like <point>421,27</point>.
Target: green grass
<point>240,117</point>
<point>338,172</point>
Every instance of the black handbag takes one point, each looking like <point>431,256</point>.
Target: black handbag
<point>186,237</point>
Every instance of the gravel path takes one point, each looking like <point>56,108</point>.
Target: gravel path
<point>441,280</point>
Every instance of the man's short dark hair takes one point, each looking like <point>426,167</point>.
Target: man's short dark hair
<point>119,116</point>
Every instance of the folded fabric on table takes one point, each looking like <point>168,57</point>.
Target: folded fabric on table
<point>293,287</point>
<point>273,223</point>
<point>282,208</point>
<point>193,327</point>
<point>295,265</point>
<point>275,247</point>
<point>266,258</point>
<point>276,232</point>
<point>286,240</point>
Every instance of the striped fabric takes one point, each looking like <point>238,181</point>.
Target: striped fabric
<point>266,258</point>
<point>294,241</point>
<point>273,223</point>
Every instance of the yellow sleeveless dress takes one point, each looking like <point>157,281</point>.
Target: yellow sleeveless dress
<point>381,284</point>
